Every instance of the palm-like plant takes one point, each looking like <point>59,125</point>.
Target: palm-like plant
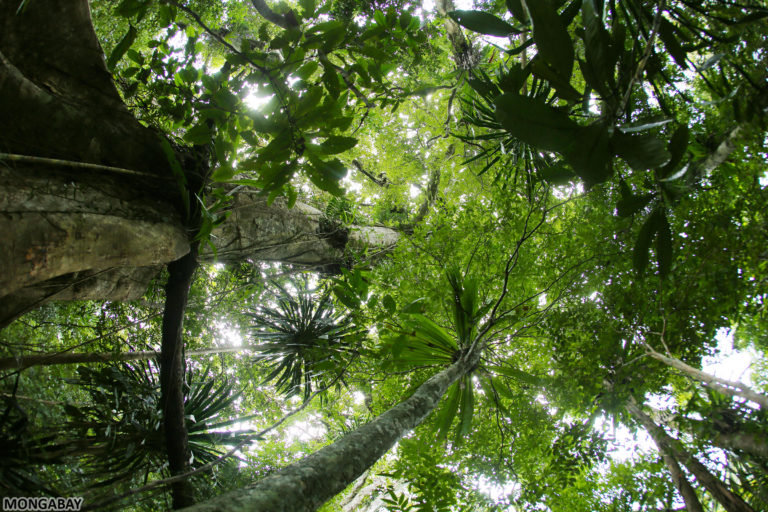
<point>119,432</point>
<point>303,338</point>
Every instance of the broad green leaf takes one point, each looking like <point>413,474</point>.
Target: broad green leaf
<point>121,47</point>
<point>467,407</point>
<point>598,51</point>
<point>640,126</point>
<point>557,175</point>
<point>307,70</point>
<point>389,304</point>
<point>426,329</point>
<point>631,204</point>
<point>641,152</point>
<point>551,36</point>
<point>518,375</point>
<point>535,123</point>
<point>667,35</point>
<point>644,238</point>
<point>483,22</point>
<point>447,412</point>
<point>677,146</point>
<point>541,69</point>
<point>589,154</point>
<point>417,306</point>
<point>517,10</point>
<point>199,134</point>
<point>664,246</point>
<point>337,144</point>
<point>226,99</point>
<point>326,174</point>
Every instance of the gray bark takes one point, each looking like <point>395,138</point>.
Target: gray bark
<point>727,387</point>
<point>719,491</point>
<point>70,238</point>
<point>307,484</point>
<point>77,232</point>
<point>663,442</point>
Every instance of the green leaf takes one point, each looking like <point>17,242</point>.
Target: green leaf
<point>639,126</point>
<point>644,238</point>
<point>199,134</point>
<point>307,70</point>
<point>590,155</point>
<point>483,22</point>
<point>226,99</point>
<point>551,36</point>
<point>667,35</point>
<point>389,304</point>
<point>631,204</point>
<point>664,246</point>
<point>557,175</point>
<point>518,375</point>
<point>467,407</point>
<point>417,306</point>
<point>598,52</point>
<point>327,174</point>
<point>678,143</point>
<point>535,123</point>
<point>337,144</point>
<point>447,412</point>
<point>121,47</point>
<point>641,152</point>
<point>517,10</point>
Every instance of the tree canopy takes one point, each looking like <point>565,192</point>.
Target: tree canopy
<point>382,255</point>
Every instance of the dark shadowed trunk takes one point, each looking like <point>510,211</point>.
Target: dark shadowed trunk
<point>180,274</point>
<point>307,484</point>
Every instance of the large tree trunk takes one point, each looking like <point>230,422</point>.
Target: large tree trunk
<point>307,484</point>
<point>88,201</point>
<point>730,501</point>
<point>662,441</point>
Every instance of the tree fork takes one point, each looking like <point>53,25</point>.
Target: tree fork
<point>172,373</point>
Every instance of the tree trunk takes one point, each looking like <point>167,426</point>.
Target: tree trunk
<point>730,501</point>
<point>662,441</point>
<point>307,484</point>
<point>172,374</point>
<point>57,358</point>
<point>90,208</point>
<point>727,387</point>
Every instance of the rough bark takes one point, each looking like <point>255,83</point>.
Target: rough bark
<point>90,236</point>
<point>662,441</point>
<point>172,374</point>
<point>719,491</point>
<point>733,436</point>
<point>727,387</point>
<point>58,358</point>
<point>73,233</point>
<point>307,484</point>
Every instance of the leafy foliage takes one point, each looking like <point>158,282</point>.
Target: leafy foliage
<point>305,339</point>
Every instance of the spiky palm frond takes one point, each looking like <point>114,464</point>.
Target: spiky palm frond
<point>303,338</point>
